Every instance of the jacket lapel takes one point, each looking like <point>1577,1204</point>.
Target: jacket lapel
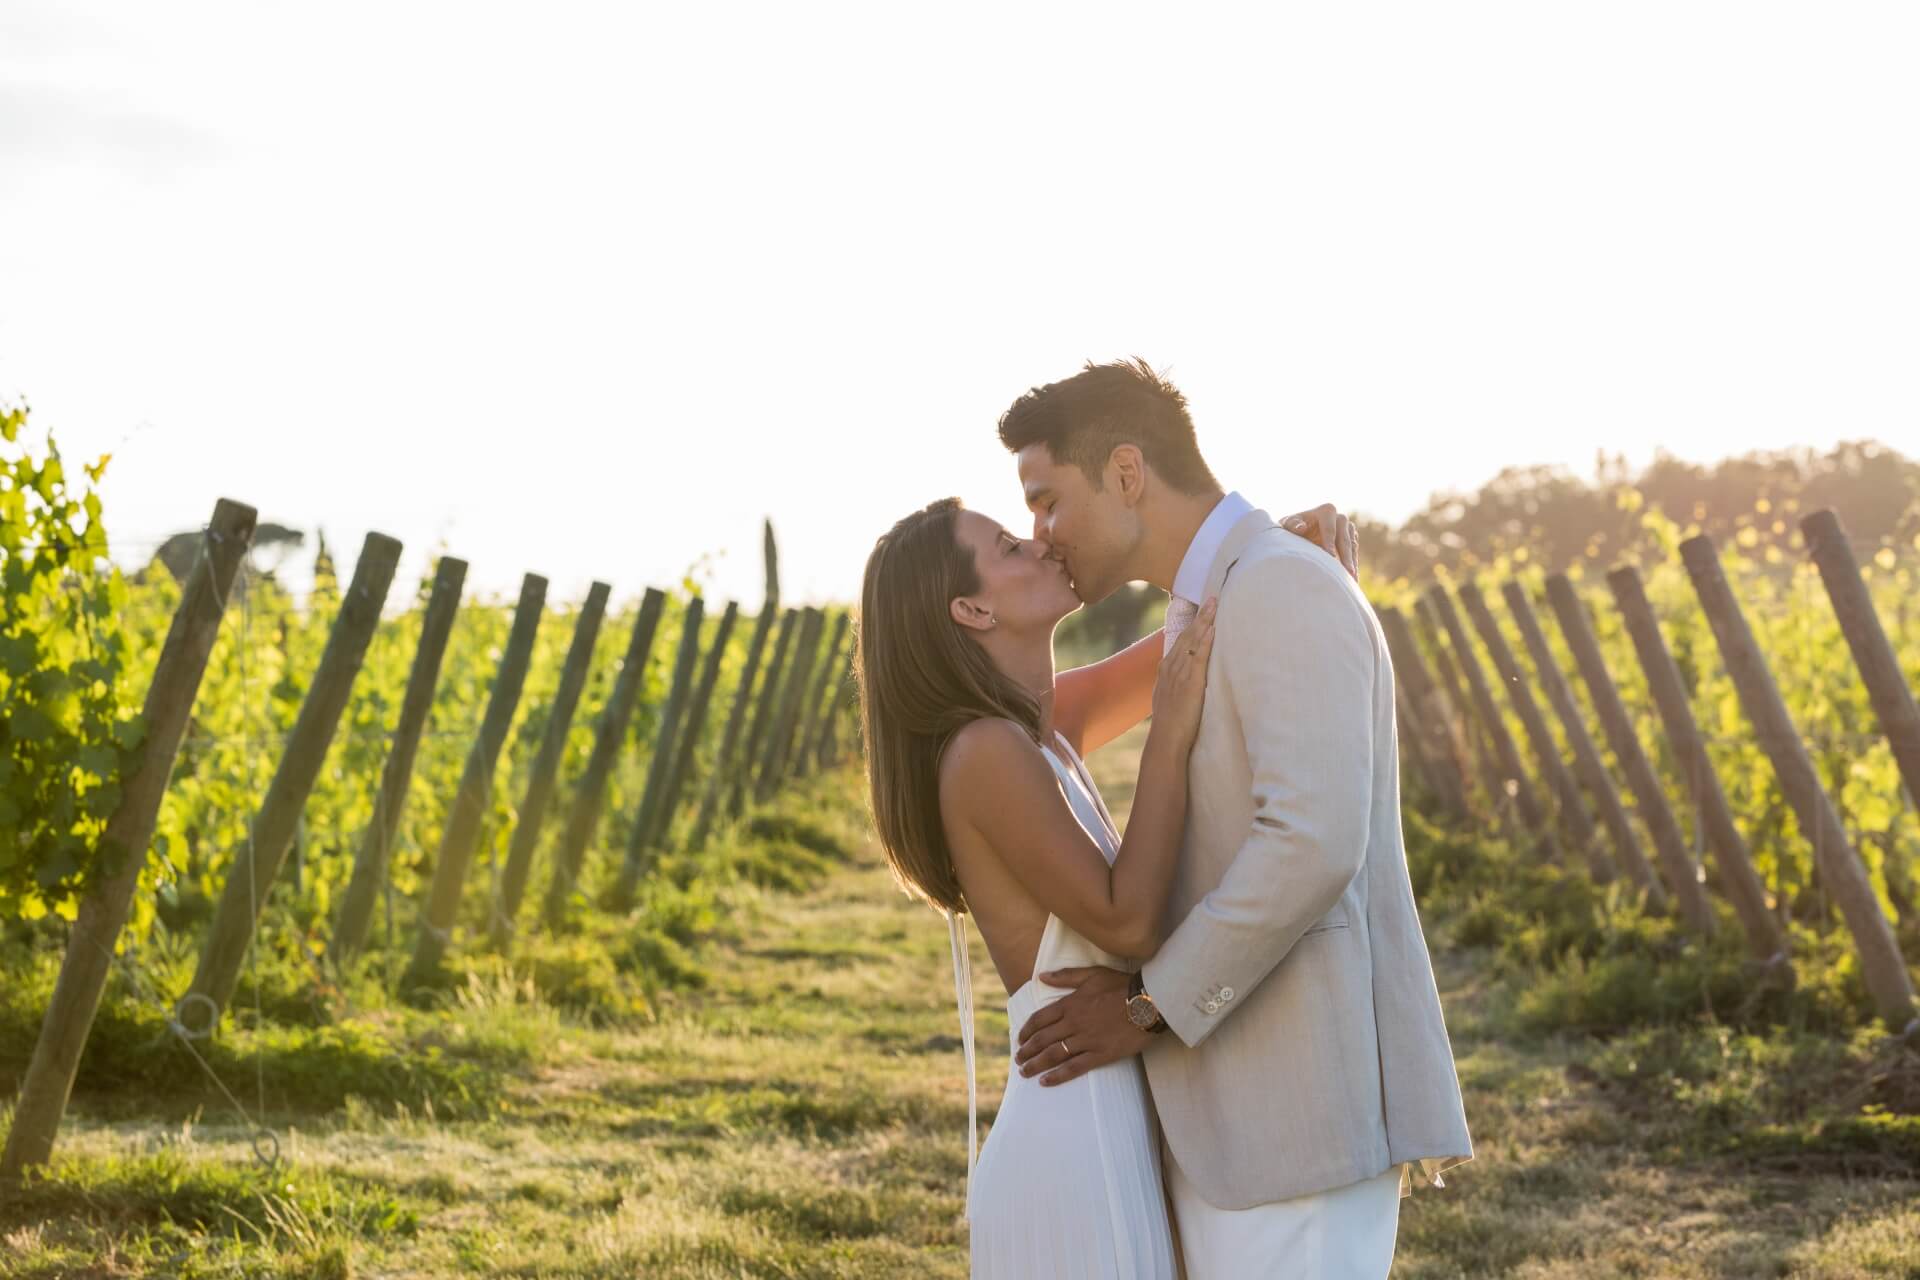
<point>1244,531</point>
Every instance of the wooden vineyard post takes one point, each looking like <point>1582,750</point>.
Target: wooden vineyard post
<point>1435,746</point>
<point>696,727</point>
<point>1409,729</point>
<point>1513,776</point>
<point>104,910</point>
<point>609,735</point>
<point>1893,702</point>
<point>546,765</point>
<point>1464,718</point>
<point>1573,812</point>
<point>773,759</point>
<point>1586,755</point>
<point>251,877</point>
<point>777,671</point>
<point>1738,880</point>
<point>416,705</point>
<point>710,795</point>
<point>661,763</point>
<point>1841,871</point>
<point>469,811</point>
<point>818,702</point>
<point>1670,846</point>
<point>1411,743</point>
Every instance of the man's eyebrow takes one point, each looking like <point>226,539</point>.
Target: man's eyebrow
<point>1035,492</point>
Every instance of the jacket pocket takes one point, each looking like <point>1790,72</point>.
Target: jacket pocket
<point>1327,927</point>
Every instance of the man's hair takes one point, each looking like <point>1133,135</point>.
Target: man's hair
<point>1083,419</point>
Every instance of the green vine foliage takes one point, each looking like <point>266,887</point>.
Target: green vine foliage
<point>67,724</point>
<point>1786,605</point>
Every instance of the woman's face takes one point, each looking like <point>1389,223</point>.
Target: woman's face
<point>1023,586</point>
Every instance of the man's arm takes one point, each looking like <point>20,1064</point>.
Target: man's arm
<point>1297,658</point>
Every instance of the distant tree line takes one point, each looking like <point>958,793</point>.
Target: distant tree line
<point>1550,516</point>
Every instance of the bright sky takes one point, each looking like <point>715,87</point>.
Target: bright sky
<point>587,289</point>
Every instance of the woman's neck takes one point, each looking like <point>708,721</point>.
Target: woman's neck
<point>1028,662</point>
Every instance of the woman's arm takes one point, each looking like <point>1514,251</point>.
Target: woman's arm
<point>1094,704</point>
<point>994,779</point>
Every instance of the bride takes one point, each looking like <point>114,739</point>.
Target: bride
<point>984,807</point>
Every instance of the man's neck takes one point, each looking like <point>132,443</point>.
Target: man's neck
<point>1170,531</point>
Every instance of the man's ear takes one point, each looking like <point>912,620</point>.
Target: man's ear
<point>1127,473</point>
<point>971,614</point>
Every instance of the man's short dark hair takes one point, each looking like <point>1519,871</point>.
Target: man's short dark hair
<point>1083,419</point>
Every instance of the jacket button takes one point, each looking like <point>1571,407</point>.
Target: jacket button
<point>1226,993</point>
<point>1212,1006</point>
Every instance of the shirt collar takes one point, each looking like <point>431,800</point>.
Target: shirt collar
<point>1191,580</point>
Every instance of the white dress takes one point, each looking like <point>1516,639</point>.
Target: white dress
<point>1068,1184</point>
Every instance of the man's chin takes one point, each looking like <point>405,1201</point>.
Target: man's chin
<point>1087,597</point>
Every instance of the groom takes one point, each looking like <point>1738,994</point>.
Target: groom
<point>1290,1024</point>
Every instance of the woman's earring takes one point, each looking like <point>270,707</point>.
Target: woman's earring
<point>992,621</point>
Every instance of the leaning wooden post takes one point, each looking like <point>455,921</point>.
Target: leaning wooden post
<point>1586,755</point>
<point>814,711</point>
<point>1434,746</point>
<point>376,845</point>
<point>777,671</point>
<point>1573,813</point>
<point>1446,741</point>
<point>469,811</point>
<point>251,877</point>
<point>1412,743</point>
<point>1738,880</point>
<point>123,845</point>
<point>1513,776</point>
<point>846,699</point>
<point>1893,702</point>
<point>653,794</point>
<point>1670,846</point>
<point>1841,871</point>
<point>723,760</point>
<point>546,765</point>
<point>812,754</point>
<point>773,758</point>
<point>609,735</point>
<point>696,726</point>
<point>1466,719</point>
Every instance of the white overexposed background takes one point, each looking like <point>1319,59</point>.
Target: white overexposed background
<point>589,289</point>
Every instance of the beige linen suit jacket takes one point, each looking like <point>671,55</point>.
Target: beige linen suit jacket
<point>1307,1049</point>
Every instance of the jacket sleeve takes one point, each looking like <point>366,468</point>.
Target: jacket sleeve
<point>1294,651</point>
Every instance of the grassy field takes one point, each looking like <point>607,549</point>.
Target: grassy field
<point>797,1108</point>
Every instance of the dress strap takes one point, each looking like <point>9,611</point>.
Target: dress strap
<point>1085,777</point>
<point>963,993</point>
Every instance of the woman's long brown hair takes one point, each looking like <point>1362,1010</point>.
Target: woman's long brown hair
<point>922,679</point>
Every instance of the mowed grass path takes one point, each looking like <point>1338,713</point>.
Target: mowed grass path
<point>805,1115</point>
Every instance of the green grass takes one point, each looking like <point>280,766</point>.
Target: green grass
<point>758,1074</point>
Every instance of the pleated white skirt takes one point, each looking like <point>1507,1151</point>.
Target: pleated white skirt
<point>1068,1185</point>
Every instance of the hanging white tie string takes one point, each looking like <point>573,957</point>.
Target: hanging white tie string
<point>963,993</point>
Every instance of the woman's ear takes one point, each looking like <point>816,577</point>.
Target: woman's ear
<point>971,614</point>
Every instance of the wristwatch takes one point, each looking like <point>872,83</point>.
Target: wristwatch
<point>1141,1011</point>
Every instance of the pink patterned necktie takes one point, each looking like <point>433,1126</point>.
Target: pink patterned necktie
<point>1179,614</point>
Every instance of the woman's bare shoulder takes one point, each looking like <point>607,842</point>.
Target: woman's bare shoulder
<point>983,749</point>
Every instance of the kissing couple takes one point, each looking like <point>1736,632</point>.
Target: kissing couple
<point>1228,1054</point>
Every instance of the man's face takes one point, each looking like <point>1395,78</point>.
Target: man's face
<point>1093,530</point>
